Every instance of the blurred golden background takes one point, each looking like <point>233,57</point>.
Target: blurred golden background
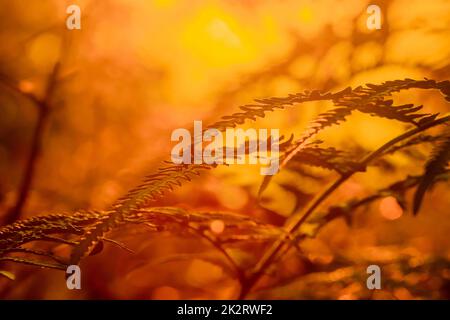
<point>138,69</point>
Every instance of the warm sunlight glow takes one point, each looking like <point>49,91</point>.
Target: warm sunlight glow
<point>217,226</point>
<point>224,149</point>
<point>390,209</point>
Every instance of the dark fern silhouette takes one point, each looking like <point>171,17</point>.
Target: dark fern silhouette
<point>85,231</point>
<point>435,166</point>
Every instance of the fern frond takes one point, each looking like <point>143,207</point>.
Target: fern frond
<point>435,166</point>
<point>40,227</point>
<point>414,141</point>
<point>327,158</point>
<point>41,264</point>
<point>36,252</point>
<point>396,189</point>
<point>169,219</point>
<point>342,161</point>
<point>152,188</point>
<point>237,228</point>
<point>367,99</point>
<point>263,106</point>
<point>404,113</point>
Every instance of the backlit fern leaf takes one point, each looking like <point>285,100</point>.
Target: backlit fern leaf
<point>347,100</point>
<point>328,158</point>
<point>152,188</point>
<point>435,166</point>
<point>417,140</point>
<point>171,219</point>
<point>367,99</point>
<point>404,113</point>
<point>344,161</point>
<point>263,106</point>
<point>37,228</point>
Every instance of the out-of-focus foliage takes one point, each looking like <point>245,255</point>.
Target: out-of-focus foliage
<point>138,69</point>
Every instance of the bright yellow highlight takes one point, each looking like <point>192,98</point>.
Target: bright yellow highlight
<point>164,3</point>
<point>216,38</point>
<point>44,51</point>
<point>306,14</point>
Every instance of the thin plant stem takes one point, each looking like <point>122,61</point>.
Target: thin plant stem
<point>36,144</point>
